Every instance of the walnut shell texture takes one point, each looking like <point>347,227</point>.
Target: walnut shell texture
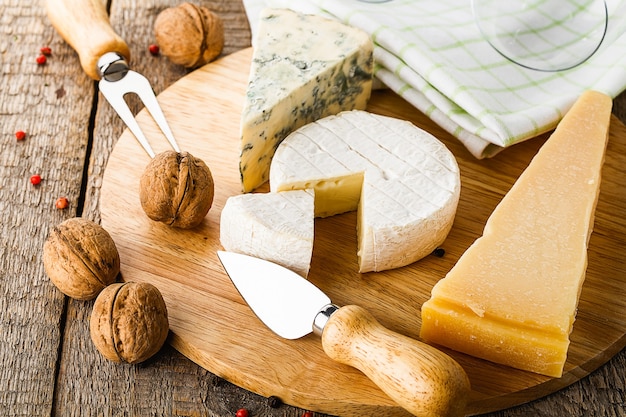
<point>189,35</point>
<point>129,322</point>
<point>80,258</point>
<point>176,189</point>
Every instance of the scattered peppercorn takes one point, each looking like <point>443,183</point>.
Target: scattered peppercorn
<point>242,412</point>
<point>274,401</point>
<point>20,135</point>
<point>62,203</point>
<point>439,252</point>
<point>35,179</point>
<point>45,50</point>
<point>154,49</point>
<point>41,60</point>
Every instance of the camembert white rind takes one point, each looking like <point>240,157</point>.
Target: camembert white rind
<point>404,182</point>
<point>277,227</point>
<point>304,67</point>
<point>512,296</point>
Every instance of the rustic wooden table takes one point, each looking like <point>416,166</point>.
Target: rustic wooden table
<point>48,365</point>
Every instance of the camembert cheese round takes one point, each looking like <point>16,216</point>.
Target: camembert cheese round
<point>403,181</point>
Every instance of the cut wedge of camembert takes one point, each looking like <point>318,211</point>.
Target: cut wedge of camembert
<point>277,227</point>
<point>304,67</point>
<point>404,182</point>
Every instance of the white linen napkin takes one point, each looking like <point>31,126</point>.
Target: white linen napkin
<point>432,54</point>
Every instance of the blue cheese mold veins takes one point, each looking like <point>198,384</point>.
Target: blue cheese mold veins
<point>304,68</point>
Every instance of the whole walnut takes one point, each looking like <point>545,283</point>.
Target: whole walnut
<point>176,189</point>
<point>129,322</point>
<point>189,35</point>
<point>81,258</point>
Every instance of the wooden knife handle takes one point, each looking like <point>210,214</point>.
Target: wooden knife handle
<point>84,24</point>
<point>420,378</point>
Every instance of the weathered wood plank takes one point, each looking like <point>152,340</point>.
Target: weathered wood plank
<point>49,104</point>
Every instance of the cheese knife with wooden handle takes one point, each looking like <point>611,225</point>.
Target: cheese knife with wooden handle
<point>420,378</point>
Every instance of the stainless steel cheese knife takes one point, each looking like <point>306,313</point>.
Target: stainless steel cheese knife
<point>420,378</point>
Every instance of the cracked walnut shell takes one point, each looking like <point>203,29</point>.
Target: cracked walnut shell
<point>129,322</point>
<point>80,258</point>
<point>176,189</point>
<point>189,35</point>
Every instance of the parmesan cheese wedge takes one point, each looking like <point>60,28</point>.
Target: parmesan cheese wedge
<point>512,296</point>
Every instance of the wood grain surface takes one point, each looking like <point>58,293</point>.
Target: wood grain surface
<point>211,324</point>
<point>48,365</point>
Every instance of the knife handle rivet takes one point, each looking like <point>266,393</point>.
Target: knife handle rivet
<point>112,66</point>
<point>322,318</point>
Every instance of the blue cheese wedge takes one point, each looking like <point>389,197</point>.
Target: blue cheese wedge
<point>304,67</point>
<point>404,182</point>
<point>277,227</point>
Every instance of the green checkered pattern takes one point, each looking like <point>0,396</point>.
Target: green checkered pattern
<point>433,54</point>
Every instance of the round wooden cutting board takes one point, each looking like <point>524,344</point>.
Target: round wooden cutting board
<point>211,324</point>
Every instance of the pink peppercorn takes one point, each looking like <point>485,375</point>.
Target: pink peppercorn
<point>62,203</point>
<point>154,49</point>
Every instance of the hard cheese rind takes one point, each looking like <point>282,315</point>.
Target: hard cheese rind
<point>277,227</point>
<point>404,182</point>
<point>512,296</point>
<point>304,67</point>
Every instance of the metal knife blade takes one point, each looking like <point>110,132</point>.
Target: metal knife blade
<point>285,302</point>
<point>420,378</point>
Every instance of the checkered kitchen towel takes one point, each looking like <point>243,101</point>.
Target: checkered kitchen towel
<point>432,54</point>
